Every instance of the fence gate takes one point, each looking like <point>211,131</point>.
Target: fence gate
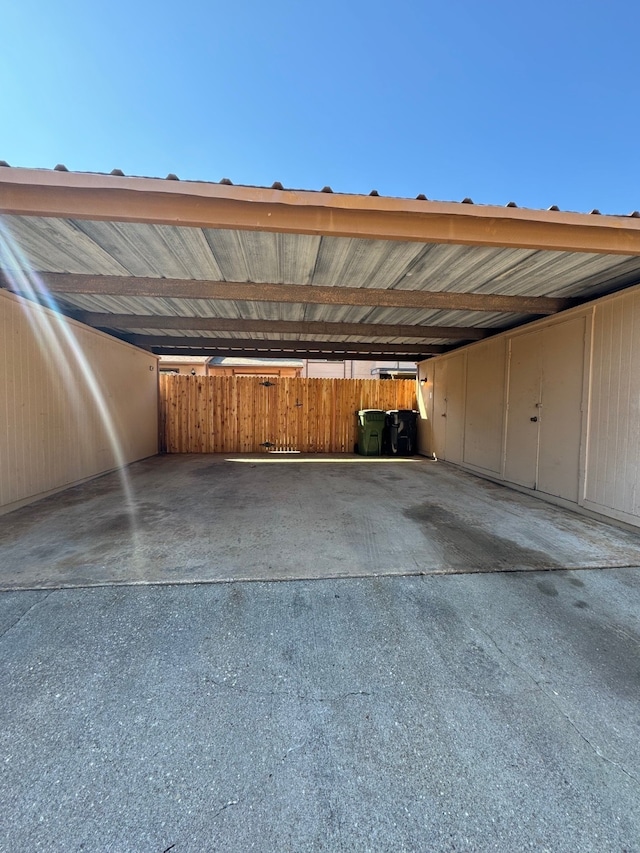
<point>253,414</point>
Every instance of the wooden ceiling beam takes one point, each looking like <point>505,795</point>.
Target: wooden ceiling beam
<point>102,320</point>
<point>168,288</point>
<point>319,349</point>
<point>73,195</point>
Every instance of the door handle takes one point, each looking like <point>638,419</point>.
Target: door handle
<point>533,419</point>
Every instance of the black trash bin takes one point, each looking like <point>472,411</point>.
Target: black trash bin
<point>401,432</point>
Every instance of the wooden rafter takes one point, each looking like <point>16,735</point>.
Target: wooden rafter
<point>224,324</point>
<point>115,285</point>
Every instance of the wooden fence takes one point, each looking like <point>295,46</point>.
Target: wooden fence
<point>252,414</point>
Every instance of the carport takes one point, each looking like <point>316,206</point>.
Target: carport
<point>503,307</point>
<point>147,708</point>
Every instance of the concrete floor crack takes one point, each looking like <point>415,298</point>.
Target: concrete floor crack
<point>540,686</point>
<point>226,806</point>
<point>595,749</point>
<point>25,614</point>
<point>293,749</point>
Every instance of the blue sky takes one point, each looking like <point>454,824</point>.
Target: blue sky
<point>535,102</point>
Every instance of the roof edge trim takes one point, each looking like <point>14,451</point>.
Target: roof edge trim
<point>72,195</point>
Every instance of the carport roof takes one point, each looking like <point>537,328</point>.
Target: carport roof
<point>214,269</point>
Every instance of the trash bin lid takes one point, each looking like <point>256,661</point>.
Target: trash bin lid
<point>372,414</point>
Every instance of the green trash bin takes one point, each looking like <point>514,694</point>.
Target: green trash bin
<point>370,431</point>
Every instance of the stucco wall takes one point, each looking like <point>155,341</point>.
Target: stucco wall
<point>54,431</point>
<point>552,407</point>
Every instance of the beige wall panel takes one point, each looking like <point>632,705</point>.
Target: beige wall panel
<point>562,362</point>
<point>585,371</point>
<point>66,401</point>
<point>613,457</point>
<point>484,410</point>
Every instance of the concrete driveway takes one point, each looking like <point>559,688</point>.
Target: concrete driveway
<point>215,518</point>
<point>388,700</point>
<point>484,712</point>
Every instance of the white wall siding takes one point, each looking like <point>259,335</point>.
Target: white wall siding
<point>353,368</point>
<point>325,369</point>
<point>52,432</point>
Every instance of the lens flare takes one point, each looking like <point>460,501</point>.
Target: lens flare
<point>64,358</point>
